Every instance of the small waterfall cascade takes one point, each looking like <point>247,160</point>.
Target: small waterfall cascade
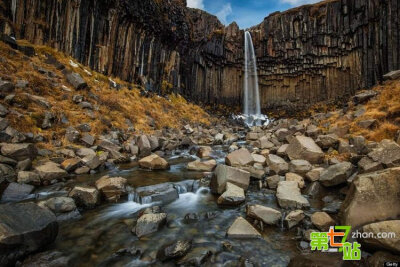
<point>251,95</point>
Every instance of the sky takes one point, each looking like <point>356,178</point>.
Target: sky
<point>246,13</point>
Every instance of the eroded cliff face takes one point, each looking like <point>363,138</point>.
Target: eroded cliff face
<point>305,55</point>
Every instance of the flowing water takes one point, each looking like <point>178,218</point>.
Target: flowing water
<point>96,237</point>
<point>251,98</point>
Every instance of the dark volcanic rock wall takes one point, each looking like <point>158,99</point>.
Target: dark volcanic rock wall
<point>305,55</point>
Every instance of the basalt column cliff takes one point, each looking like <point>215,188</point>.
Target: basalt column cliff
<point>305,55</point>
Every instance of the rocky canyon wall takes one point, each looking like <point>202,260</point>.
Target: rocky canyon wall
<point>305,55</point>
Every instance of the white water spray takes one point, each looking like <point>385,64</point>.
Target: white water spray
<point>251,99</point>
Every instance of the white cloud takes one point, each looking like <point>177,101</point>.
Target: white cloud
<point>195,4</point>
<point>224,13</point>
<point>299,2</point>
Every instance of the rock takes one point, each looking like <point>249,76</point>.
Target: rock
<point>150,223</point>
<point>31,178</point>
<point>188,129</point>
<point>264,143</point>
<point>314,174</point>
<point>174,250</point>
<point>256,172</point>
<point>393,75</point>
<point>282,133</point>
<point>366,124</point>
<point>242,229</point>
<point>273,181</point>
<point>24,229</point>
<point>233,196</point>
<point>373,230</point>
<point>77,99</point>
<point>322,221</point>
<point>24,165</point>
<point>387,153</point>
<point>71,164</point>
<point>328,141</point>
<point>336,174</point>
<point>204,152</point>
<point>299,166</point>
<point>205,166</point>
<point>84,127</point>
<point>294,218</point>
<point>144,146</point>
<point>48,259</point>
<point>153,162</point>
<point>19,151</point>
<point>83,152</point>
<point>72,135</point>
<point>289,196</point>
<point>313,131</point>
<point>6,88</point>
<point>7,172</point>
<point>296,178</point>
<point>16,192</point>
<point>76,80</point>
<point>302,147</point>
<point>219,139</point>
<point>277,165</point>
<point>88,139</point>
<point>267,215</point>
<point>112,187</point>
<point>60,204</point>
<point>50,171</point>
<point>372,197</point>
<point>92,161</point>
<point>380,258</point>
<point>3,111</point>
<point>364,96</point>
<point>282,150</point>
<point>87,197</point>
<point>240,157</point>
<point>164,193</point>
<point>224,174</point>
<point>85,105</point>
<point>196,257</point>
<point>41,101</point>
<point>368,165</point>
<point>82,170</point>
<point>48,120</point>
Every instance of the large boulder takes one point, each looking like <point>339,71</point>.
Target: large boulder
<point>19,151</point>
<point>372,197</point>
<point>290,176</point>
<point>150,223</point>
<point>164,193</point>
<point>24,229</point>
<point>376,238</point>
<point>265,214</point>
<point>387,153</point>
<point>336,174</point>
<point>327,141</point>
<point>300,166</point>
<point>240,157</point>
<point>154,162</point>
<point>242,229</point>
<point>87,197</point>
<point>76,80</point>
<point>204,166</point>
<point>71,164</point>
<point>322,221</point>
<point>92,161</point>
<point>50,171</point>
<point>289,196</point>
<point>112,187</point>
<point>277,165</point>
<point>234,195</point>
<point>224,174</point>
<point>16,192</point>
<point>302,147</point>
<point>204,152</point>
<point>294,218</point>
<point>144,146</point>
<point>25,177</point>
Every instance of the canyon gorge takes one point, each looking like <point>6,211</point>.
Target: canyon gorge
<point>321,52</point>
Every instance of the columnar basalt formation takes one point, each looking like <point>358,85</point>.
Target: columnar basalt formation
<point>313,53</point>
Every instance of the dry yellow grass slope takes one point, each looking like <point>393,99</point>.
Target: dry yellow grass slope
<point>385,109</point>
<point>111,107</point>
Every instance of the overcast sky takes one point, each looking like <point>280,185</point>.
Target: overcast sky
<point>246,13</point>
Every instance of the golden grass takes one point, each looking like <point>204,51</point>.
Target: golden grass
<point>385,108</point>
<point>114,107</point>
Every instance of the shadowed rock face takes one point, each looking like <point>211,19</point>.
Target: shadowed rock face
<point>305,55</point>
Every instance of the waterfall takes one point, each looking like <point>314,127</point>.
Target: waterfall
<point>13,8</point>
<point>251,99</point>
